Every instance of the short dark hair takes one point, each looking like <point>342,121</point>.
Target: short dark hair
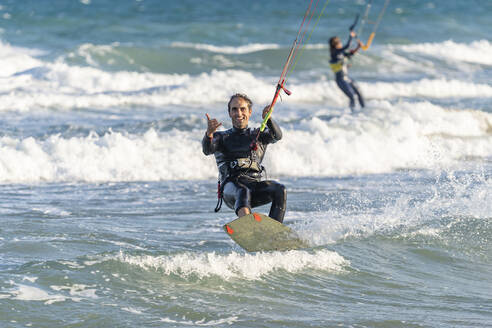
<point>332,41</point>
<point>243,97</point>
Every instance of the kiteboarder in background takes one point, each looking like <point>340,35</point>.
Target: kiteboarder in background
<point>338,63</point>
<point>239,152</point>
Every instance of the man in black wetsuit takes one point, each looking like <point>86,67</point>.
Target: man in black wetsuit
<point>338,65</point>
<point>239,153</point>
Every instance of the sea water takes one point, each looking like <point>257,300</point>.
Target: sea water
<point>106,199</point>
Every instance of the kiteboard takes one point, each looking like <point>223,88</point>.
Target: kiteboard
<point>257,232</point>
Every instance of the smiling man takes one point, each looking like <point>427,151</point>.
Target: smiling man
<point>239,156</point>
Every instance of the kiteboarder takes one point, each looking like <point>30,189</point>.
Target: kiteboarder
<point>239,152</point>
<point>338,63</point>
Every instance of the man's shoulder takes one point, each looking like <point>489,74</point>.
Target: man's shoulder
<point>222,133</point>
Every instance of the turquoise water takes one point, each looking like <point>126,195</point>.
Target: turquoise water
<point>106,200</point>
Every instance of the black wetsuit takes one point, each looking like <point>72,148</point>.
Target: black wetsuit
<point>339,66</point>
<point>240,169</point>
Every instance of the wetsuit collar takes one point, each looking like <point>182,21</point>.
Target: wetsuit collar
<point>240,131</point>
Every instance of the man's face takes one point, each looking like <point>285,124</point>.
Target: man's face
<point>338,43</point>
<point>239,113</point>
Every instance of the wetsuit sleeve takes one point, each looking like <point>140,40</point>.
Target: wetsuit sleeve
<point>352,52</point>
<point>336,52</point>
<point>273,134</point>
<point>210,145</point>
<point>347,45</point>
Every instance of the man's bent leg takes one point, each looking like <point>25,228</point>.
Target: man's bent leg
<point>347,89</point>
<point>271,191</point>
<point>238,197</point>
<point>359,95</point>
<point>243,211</point>
<point>277,210</point>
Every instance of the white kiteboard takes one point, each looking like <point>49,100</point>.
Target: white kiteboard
<point>257,232</point>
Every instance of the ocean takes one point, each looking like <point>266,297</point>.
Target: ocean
<point>106,199</point>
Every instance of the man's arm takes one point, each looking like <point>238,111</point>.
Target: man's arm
<point>274,133</point>
<point>353,51</point>
<point>209,143</point>
<point>347,45</point>
<point>274,130</point>
<point>349,41</point>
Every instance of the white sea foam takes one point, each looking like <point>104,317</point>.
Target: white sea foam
<point>132,310</point>
<point>31,293</point>
<point>66,88</point>
<point>76,293</point>
<point>429,88</point>
<point>328,92</point>
<point>30,279</point>
<point>78,290</point>
<point>113,157</point>
<point>49,210</point>
<point>30,84</point>
<point>89,50</point>
<point>201,323</point>
<point>242,49</point>
<point>478,52</point>
<point>478,201</point>
<point>239,50</point>
<point>69,87</point>
<point>381,139</point>
<point>235,265</point>
<point>330,226</point>
<point>15,59</point>
<point>384,137</point>
<point>465,196</point>
<point>427,232</point>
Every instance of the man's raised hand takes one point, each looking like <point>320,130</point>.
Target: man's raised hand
<point>212,126</point>
<point>265,111</point>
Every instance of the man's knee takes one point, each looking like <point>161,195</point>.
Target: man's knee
<point>243,211</point>
<point>280,191</point>
<point>236,196</point>
<point>243,199</point>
